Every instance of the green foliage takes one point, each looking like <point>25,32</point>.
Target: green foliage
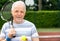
<point>55,5</point>
<point>2,2</point>
<point>44,18</point>
<point>1,22</point>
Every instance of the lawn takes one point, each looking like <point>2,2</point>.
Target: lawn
<point>48,29</point>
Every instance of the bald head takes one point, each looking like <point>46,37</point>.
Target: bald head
<point>18,3</point>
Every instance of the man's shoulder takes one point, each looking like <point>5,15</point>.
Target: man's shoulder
<point>7,23</point>
<point>29,22</point>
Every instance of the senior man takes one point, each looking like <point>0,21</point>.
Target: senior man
<point>21,26</point>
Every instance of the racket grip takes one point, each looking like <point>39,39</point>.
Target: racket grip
<point>14,36</point>
<point>11,26</point>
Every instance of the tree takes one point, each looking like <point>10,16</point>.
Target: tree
<point>51,5</point>
<point>2,3</point>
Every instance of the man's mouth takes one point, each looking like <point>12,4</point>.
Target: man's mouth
<point>18,17</point>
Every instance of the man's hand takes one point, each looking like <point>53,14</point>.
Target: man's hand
<point>11,32</point>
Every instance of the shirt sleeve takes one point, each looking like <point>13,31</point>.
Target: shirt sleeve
<point>2,34</point>
<point>34,31</point>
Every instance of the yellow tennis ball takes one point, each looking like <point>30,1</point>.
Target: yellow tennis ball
<point>23,38</point>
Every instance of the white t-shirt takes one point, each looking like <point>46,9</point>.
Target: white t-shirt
<point>27,28</point>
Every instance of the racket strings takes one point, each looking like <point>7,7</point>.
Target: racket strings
<point>6,11</point>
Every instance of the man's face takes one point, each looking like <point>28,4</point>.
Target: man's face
<point>18,12</point>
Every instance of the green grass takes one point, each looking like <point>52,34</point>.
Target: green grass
<point>48,29</point>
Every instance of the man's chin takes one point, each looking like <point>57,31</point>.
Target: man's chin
<point>19,20</point>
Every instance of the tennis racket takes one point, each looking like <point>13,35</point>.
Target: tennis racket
<point>6,13</point>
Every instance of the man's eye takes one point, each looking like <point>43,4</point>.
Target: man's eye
<point>16,11</point>
<point>21,11</point>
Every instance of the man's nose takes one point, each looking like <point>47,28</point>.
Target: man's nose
<point>19,13</point>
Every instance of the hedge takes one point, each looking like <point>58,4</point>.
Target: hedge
<point>42,19</point>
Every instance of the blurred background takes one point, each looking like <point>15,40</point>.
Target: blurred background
<point>38,4</point>
<point>45,14</point>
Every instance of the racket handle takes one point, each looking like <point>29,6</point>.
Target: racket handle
<point>11,26</point>
<point>14,36</point>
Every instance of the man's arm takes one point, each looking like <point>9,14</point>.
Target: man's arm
<point>2,39</point>
<point>35,34</point>
<point>35,39</point>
